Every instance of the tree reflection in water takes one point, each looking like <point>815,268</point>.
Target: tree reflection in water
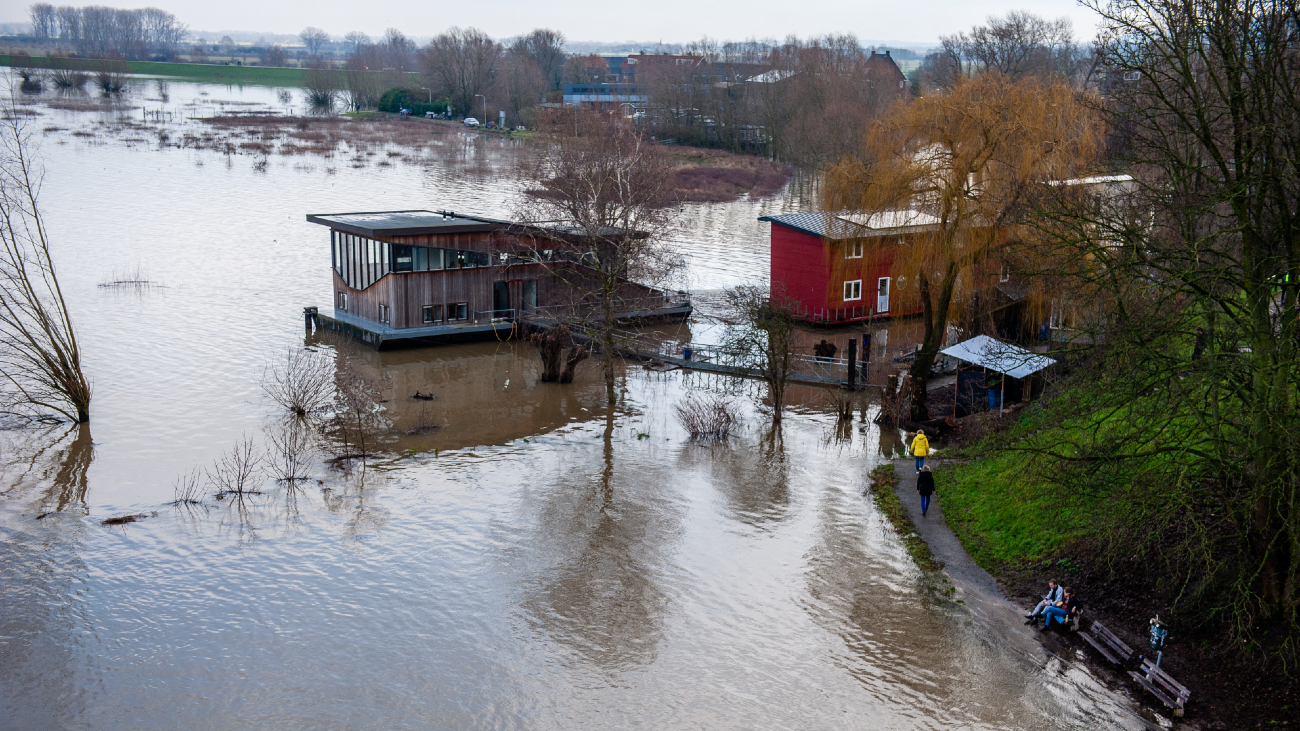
<point>600,597</point>
<point>55,460</point>
<point>753,478</point>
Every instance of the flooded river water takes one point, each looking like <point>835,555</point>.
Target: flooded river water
<point>536,561</point>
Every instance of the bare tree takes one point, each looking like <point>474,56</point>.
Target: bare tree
<point>707,417</point>
<point>601,194</point>
<point>236,472</point>
<point>40,358</point>
<point>1017,45</point>
<point>356,39</point>
<point>314,39</point>
<point>322,85</point>
<point>366,83</point>
<point>462,64</point>
<point>357,412</point>
<point>44,20</point>
<point>188,489</point>
<point>301,381</point>
<point>761,336</point>
<point>290,451</point>
<point>398,51</point>
<point>544,48</point>
<point>272,56</point>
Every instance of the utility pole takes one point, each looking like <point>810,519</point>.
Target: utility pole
<point>425,88</point>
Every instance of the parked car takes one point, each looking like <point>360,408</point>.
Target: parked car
<point>471,122</point>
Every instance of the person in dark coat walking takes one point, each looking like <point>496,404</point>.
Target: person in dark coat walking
<point>925,486</point>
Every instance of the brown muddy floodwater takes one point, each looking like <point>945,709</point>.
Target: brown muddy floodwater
<point>524,558</point>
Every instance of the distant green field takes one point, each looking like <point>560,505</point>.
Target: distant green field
<point>207,73</point>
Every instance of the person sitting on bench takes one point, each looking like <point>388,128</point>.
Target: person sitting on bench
<point>1052,596</point>
<point>1063,610</point>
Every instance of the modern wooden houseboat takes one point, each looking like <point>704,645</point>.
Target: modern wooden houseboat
<point>442,276</point>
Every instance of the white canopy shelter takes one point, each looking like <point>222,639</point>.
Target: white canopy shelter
<point>996,355</point>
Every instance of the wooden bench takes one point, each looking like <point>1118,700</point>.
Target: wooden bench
<point>1104,641</point>
<point>1169,691</point>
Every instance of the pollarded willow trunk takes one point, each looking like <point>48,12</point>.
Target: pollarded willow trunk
<point>935,319</point>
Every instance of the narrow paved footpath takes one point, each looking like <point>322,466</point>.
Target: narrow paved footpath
<point>1000,620</point>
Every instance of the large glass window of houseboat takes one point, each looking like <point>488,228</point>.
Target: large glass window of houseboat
<point>403,258</point>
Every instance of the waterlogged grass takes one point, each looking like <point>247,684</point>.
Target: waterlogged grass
<point>198,72</point>
<point>883,484</point>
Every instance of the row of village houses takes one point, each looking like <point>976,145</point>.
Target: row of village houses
<point>625,81</point>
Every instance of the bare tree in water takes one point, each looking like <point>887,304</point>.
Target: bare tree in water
<point>599,198</point>
<point>40,359</point>
<point>762,337</point>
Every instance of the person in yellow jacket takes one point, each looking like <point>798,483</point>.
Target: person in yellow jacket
<point>920,448</point>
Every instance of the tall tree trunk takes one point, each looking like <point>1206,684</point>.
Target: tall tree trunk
<point>607,337</point>
<point>934,317</point>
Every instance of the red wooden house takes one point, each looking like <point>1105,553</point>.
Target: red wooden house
<point>839,267</point>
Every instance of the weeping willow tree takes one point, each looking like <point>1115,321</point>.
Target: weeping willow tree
<point>950,173</point>
<point>40,359</point>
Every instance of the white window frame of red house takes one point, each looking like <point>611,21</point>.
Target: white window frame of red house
<point>853,290</point>
<point>853,250</point>
<point>1004,275</point>
<point>882,301</point>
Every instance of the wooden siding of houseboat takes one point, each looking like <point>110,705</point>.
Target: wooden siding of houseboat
<point>877,261</point>
<point>811,270</point>
<point>406,294</point>
<point>799,266</point>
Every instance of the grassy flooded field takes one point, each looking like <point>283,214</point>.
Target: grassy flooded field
<point>197,72</point>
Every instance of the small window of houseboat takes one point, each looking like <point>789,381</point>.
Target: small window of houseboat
<point>853,250</point>
<point>853,290</point>
<point>343,301</point>
<point>458,311</point>
<point>384,313</point>
<point>432,313</point>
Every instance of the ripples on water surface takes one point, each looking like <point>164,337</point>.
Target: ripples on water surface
<point>535,562</point>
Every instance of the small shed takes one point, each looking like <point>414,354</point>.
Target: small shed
<point>994,358</point>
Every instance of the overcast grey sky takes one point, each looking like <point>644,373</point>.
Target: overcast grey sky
<point>601,20</point>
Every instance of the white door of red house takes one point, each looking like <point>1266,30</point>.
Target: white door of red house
<point>882,294</point>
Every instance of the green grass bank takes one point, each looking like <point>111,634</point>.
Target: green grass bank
<point>197,72</point>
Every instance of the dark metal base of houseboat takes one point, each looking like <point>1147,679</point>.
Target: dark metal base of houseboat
<point>382,337</point>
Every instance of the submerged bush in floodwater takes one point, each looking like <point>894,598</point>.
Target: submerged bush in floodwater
<point>68,79</point>
<point>708,417</point>
<point>300,380</point>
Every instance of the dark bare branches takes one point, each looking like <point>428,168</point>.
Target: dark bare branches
<point>40,358</point>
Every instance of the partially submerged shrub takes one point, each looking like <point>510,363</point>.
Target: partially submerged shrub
<point>68,79</point>
<point>236,472</point>
<point>188,489</point>
<point>300,380</point>
<point>290,451</point>
<point>710,417</point>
